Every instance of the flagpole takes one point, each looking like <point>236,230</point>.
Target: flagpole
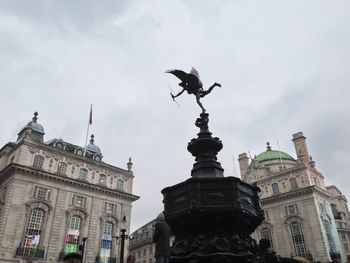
<point>88,127</point>
<point>234,166</point>
<point>279,151</point>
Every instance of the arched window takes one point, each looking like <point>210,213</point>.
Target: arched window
<point>106,242</point>
<point>73,235</point>
<point>275,188</point>
<point>83,173</point>
<point>120,184</point>
<point>330,239</point>
<point>62,168</point>
<point>266,234</point>
<point>33,230</point>
<point>38,161</point>
<point>103,179</point>
<point>298,239</point>
<point>293,183</point>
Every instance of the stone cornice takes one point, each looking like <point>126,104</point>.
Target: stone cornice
<point>11,168</point>
<point>290,194</point>
<point>53,150</point>
<point>286,172</point>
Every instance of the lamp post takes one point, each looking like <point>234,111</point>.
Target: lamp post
<point>122,243</point>
<point>82,248</point>
<point>122,237</point>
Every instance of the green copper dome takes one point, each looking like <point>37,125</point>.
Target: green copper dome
<point>271,155</point>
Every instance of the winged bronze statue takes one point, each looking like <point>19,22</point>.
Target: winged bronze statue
<point>191,83</point>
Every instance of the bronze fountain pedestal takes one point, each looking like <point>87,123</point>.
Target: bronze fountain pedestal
<point>211,216</point>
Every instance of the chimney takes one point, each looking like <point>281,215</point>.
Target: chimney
<point>300,147</point>
<point>243,165</point>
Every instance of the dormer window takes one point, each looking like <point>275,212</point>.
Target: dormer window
<point>38,161</point>
<point>59,146</point>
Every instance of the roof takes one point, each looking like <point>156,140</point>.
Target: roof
<point>271,155</point>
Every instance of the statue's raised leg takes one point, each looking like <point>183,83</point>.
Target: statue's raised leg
<point>198,96</point>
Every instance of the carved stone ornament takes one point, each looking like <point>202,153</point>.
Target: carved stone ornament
<point>33,150</point>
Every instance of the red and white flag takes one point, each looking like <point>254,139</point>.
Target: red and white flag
<point>90,117</point>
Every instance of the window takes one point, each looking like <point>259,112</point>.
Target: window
<point>103,179</point>
<point>138,254</point>
<point>144,252</point>
<point>346,247</point>
<point>275,188</point>
<point>73,235</point>
<point>291,209</point>
<point>106,242</point>
<point>33,229</point>
<point>293,183</point>
<point>110,208</point>
<point>83,173</point>
<point>330,239</point>
<point>150,250</point>
<point>266,234</point>
<point>62,168</point>
<point>298,239</point>
<point>41,193</point>
<point>79,201</point>
<point>120,184</point>
<point>343,237</point>
<point>38,161</point>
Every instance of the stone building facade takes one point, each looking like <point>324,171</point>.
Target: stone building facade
<point>54,195</point>
<point>140,244</point>
<point>301,213</point>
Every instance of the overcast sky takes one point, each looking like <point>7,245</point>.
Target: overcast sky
<point>283,66</point>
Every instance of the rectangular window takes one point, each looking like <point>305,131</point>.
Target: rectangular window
<point>106,242</point>
<point>110,208</point>
<point>298,239</point>
<point>292,209</point>
<point>79,201</point>
<point>144,252</point>
<point>62,168</point>
<point>38,161</point>
<point>83,174</point>
<point>150,250</point>
<point>275,188</point>
<point>343,237</point>
<point>33,231</point>
<point>73,235</point>
<point>346,247</point>
<point>41,193</point>
<point>293,183</point>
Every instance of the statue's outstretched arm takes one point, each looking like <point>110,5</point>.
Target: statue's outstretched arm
<point>206,92</point>
<point>177,95</point>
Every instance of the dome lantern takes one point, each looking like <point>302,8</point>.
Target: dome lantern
<point>33,129</point>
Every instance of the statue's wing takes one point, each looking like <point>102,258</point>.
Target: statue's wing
<point>191,79</point>
<point>179,73</point>
<point>195,72</point>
